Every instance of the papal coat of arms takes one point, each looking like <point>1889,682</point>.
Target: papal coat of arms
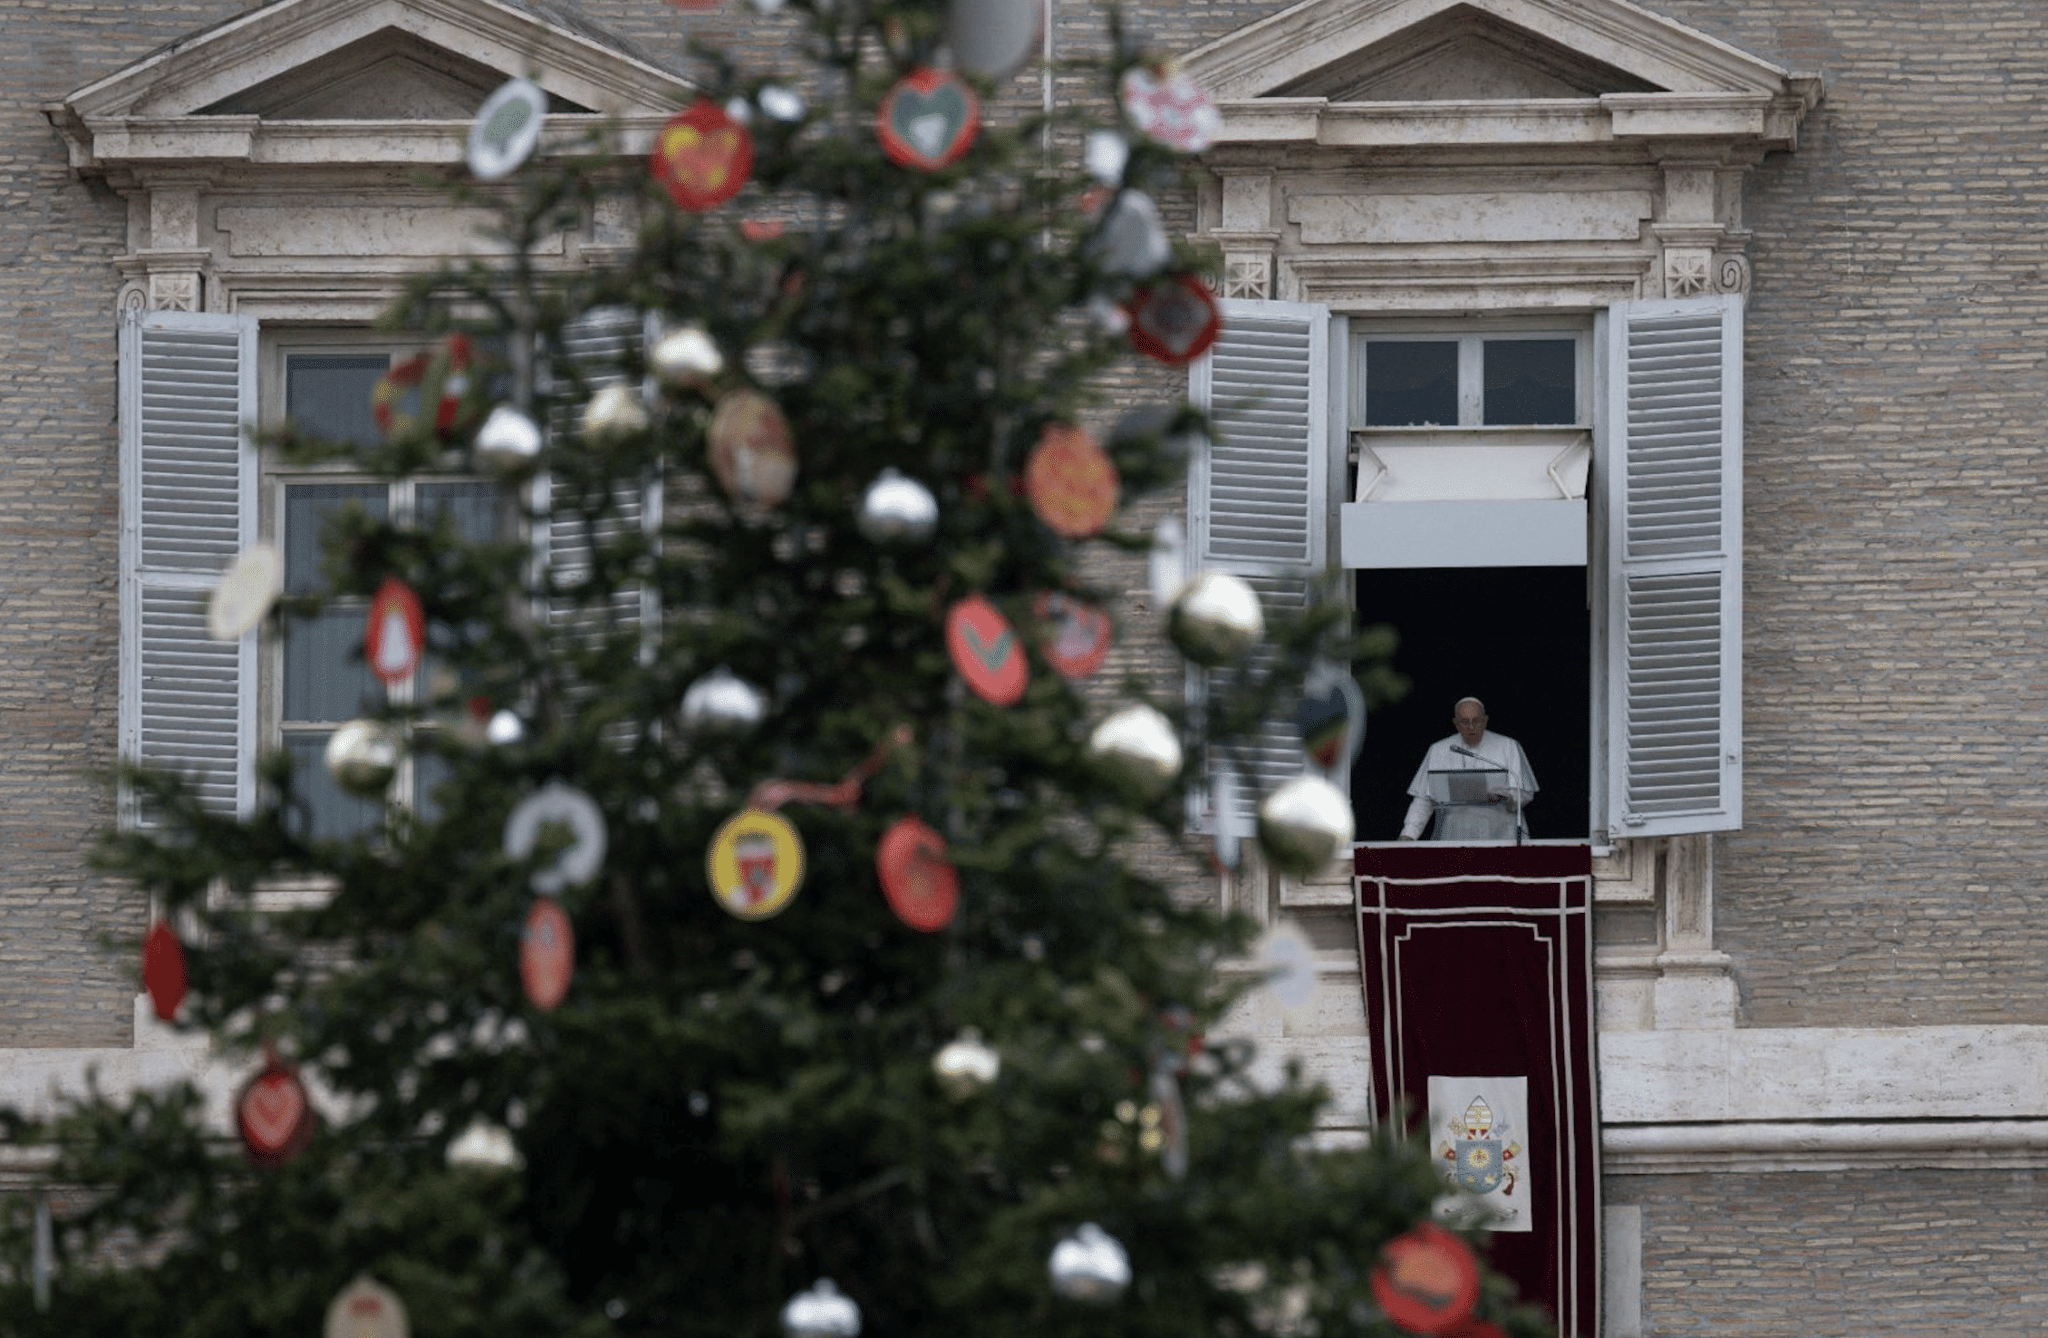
<point>1481,1157</point>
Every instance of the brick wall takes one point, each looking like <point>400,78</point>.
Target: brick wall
<point>1841,1254</point>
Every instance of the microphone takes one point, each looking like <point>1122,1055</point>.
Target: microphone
<point>1463,751</point>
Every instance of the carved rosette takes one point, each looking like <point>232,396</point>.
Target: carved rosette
<point>1248,274</point>
<point>1698,271</point>
<point>177,290</point>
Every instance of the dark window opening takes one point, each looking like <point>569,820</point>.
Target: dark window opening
<point>1531,383</point>
<point>1411,383</point>
<point>1517,638</point>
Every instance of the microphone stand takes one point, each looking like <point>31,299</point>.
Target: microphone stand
<point>1521,822</point>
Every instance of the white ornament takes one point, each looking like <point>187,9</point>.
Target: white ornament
<point>966,1064</point>
<point>612,413</point>
<point>508,440</point>
<point>506,129</point>
<point>572,808</point>
<point>1090,1265</point>
<point>722,703</point>
<point>822,1312</point>
<point>898,510</point>
<point>484,1146</point>
<point>245,592</point>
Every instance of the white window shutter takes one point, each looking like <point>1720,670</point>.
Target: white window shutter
<point>597,342</point>
<point>1258,500</point>
<point>1673,498</point>
<point>188,507</point>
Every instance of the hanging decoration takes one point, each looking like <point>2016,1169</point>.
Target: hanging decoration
<point>928,120</point>
<point>686,358</point>
<point>897,510</point>
<point>1227,822</point>
<point>509,440</point>
<point>506,130</point>
<point>1287,961</point>
<point>1078,634</point>
<point>430,390</point>
<point>1090,1265</point>
<point>822,1312</point>
<point>163,969</point>
<point>1304,825</point>
<point>1426,1280</point>
<point>1167,563</point>
<point>779,102</point>
<point>273,1114</point>
<point>1331,717</point>
<point>702,156</point>
<point>394,632</point>
<point>243,596</point>
<point>966,1065</point>
<point>986,651</point>
<point>842,794</point>
<point>362,757</point>
<point>1070,481</point>
<point>1164,1122</point>
<point>561,805</point>
<point>1216,618</point>
<point>1175,321</point>
<point>484,1146</point>
<point>922,888</point>
<point>755,864</point>
<point>366,1308</point>
<point>1138,749</point>
<point>752,454</point>
<point>1129,240</point>
<point>613,414</point>
<point>1168,106</point>
<point>993,38</point>
<point>722,703</point>
<point>547,954</point>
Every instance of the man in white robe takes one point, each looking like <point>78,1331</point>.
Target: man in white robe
<point>1472,748</point>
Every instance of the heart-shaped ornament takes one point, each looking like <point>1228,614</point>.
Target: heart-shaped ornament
<point>921,886</point>
<point>274,1116</point>
<point>1331,717</point>
<point>702,156</point>
<point>1175,321</point>
<point>986,651</point>
<point>928,120</point>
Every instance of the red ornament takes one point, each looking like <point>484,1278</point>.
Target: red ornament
<point>275,1117</point>
<point>1427,1280</point>
<point>1070,481</point>
<point>163,969</point>
<point>922,888</point>
<point>547,954</point>
<point>1078,634</point>
<point>986,651</point>
<point>394,633</point>
<point>928,120</point>
<point>1175,321</point>
<point>443,374</point>
<point>702,156</point>
<point>758,230</point>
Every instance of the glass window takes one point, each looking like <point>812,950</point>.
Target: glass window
<point>1411,383</point>
<point>1531,382</point>
<point>329,394</point>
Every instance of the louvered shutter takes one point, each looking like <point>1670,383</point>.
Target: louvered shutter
<point>188,506</point>
<point>596,344</point>
<point>1258,499</point>
<point>1673,493</point>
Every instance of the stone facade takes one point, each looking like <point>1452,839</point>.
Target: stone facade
<point>1822,1033</point>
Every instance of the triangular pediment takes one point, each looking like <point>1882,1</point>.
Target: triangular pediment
<point>362,63</point>
<point>1462,54</point>
<point>1473,50</point>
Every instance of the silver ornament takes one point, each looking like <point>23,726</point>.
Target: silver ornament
<point>822,1312</point>
<point>1216,618</point>
<point>966,1064</point>
<point>1104,154</point>
<point>1090,1265</point>
<point>484,1146</point>
<point>612,413</point>
<point>722,703</point>
<point>504,727</point>
<point>1304,825</point>
<point>508,440</point>
<point>898,510</point>
<point>362,756</point>
<point>1138,748</point>
<point>780,103</point>
<point>1130,240</point>
<point>685,358</point>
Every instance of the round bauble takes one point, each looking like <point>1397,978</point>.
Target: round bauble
<point>508,441</point>
<point>1090,1265</point>
<point>612,413</point>
<point>822,1312</point>
<point>484,1146</point>
<point>1216,618</point>
<point>722,703</point>
<point>362,756</point>
<point>966,1065</point>
<point>1138,748</point>
<point>898,510</point>
<point>685,359</point>
<point>504,727</point>
<point>1304,825</point>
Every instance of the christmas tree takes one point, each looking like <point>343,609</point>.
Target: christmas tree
<point>767,916</point>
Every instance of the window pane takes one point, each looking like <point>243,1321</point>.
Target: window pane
<point>324,676</point>
<point>307,509</point>
<point>430,771</point>
<point>334,811</point>
<point>1410,383</point>
<point>328,394</point>
<point>474,507</point>
<point>1530,382</point>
